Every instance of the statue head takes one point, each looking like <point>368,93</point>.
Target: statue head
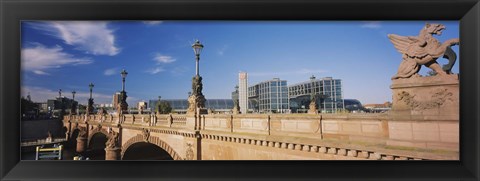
<point>434,29</point>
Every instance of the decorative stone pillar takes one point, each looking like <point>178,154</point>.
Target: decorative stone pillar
<point>122,107</point>
<point>433,96</point>
<point>82,140</point>
<point>112,153</point>
<point>197,99</point>
<point>112,150</point>
<point>81,144</point>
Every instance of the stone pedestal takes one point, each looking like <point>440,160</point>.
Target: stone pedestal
<point>202,111</point>
<point>112,153</point>
<point>81,144</point>
<point>434,97</point>
<point>191,122</point>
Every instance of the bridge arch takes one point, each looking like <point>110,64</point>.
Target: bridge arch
<point>152,140</point>
<point>95,131</point>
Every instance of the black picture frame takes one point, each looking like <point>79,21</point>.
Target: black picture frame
<point>13,11</point>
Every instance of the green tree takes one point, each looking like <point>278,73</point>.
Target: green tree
<point>163,107</point>
<point>28,107</point>
<point>82,109</point>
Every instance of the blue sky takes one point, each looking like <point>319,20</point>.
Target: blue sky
<point>68,55</point>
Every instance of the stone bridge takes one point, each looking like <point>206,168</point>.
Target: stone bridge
<point>266,137</point>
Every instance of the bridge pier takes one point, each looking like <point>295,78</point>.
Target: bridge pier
<point>81,144</point>
<point>112,153</point>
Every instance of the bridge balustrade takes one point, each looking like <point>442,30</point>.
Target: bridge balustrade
<point>162,120</point>
<point>179,121</point>
<point>128,118</point>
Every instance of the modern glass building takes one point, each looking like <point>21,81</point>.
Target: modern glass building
<point>181,105</point>
<point>269,96</point>
<point>328,93</point>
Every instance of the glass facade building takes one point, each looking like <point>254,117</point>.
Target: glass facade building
<point>328,92</point>
<point>269,96</point>
<point>181,105</point>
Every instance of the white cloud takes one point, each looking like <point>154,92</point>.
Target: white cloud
<point>152,23</point>
<point>111,71</point>
<point>39,72</point>
<point>371,24</point>
<point>39,58</point>
<point>159,58</point>
<point>93,37</point>
<point>222,50</point>
<point>155,70</point>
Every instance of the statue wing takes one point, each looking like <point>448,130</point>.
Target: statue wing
<point>402,43</point>
<point>409,45</point>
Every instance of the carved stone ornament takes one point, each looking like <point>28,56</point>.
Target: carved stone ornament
<point>191,104</point>
<point>99,127</point>
<point>313,106</point>
<point>236,107</point>
<point>438,98</point>
<point>423,49</point>
<point>112,141</point>
<point>189,154</point>
<point>82,132</point>
<point>146,134</point>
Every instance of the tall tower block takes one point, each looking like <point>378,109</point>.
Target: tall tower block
<point>242,92</point>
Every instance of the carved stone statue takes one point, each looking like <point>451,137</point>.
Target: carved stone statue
<point>112,141</point>
<point>191,104</point>
<point>196,99</point>
<point>236,107</point>
<point>102,111</point>
<point>197,85</point>
<point>82,132</point>
<point>90,106</point>
<point>423,49</point>
<point>313,105</point>
<point>122,106</point>
<point>146,134</point>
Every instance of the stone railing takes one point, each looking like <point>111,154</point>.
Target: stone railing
<point>310,131</point>
<point>179,120</point>
<point>300,125</point>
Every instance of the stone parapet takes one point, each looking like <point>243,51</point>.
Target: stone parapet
<point>382,134</point>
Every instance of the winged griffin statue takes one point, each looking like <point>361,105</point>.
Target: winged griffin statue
<point>424,49</point>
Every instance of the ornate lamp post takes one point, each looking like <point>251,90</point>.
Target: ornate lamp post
<point>73,109</point>
<point>90,100</point>
<point>196,100</point>
<point>62,106</point>
<point>123,106</point>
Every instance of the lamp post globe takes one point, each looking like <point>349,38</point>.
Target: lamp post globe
<point>124,74</point>
<point>197,49</point>
<point>73,95</point>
